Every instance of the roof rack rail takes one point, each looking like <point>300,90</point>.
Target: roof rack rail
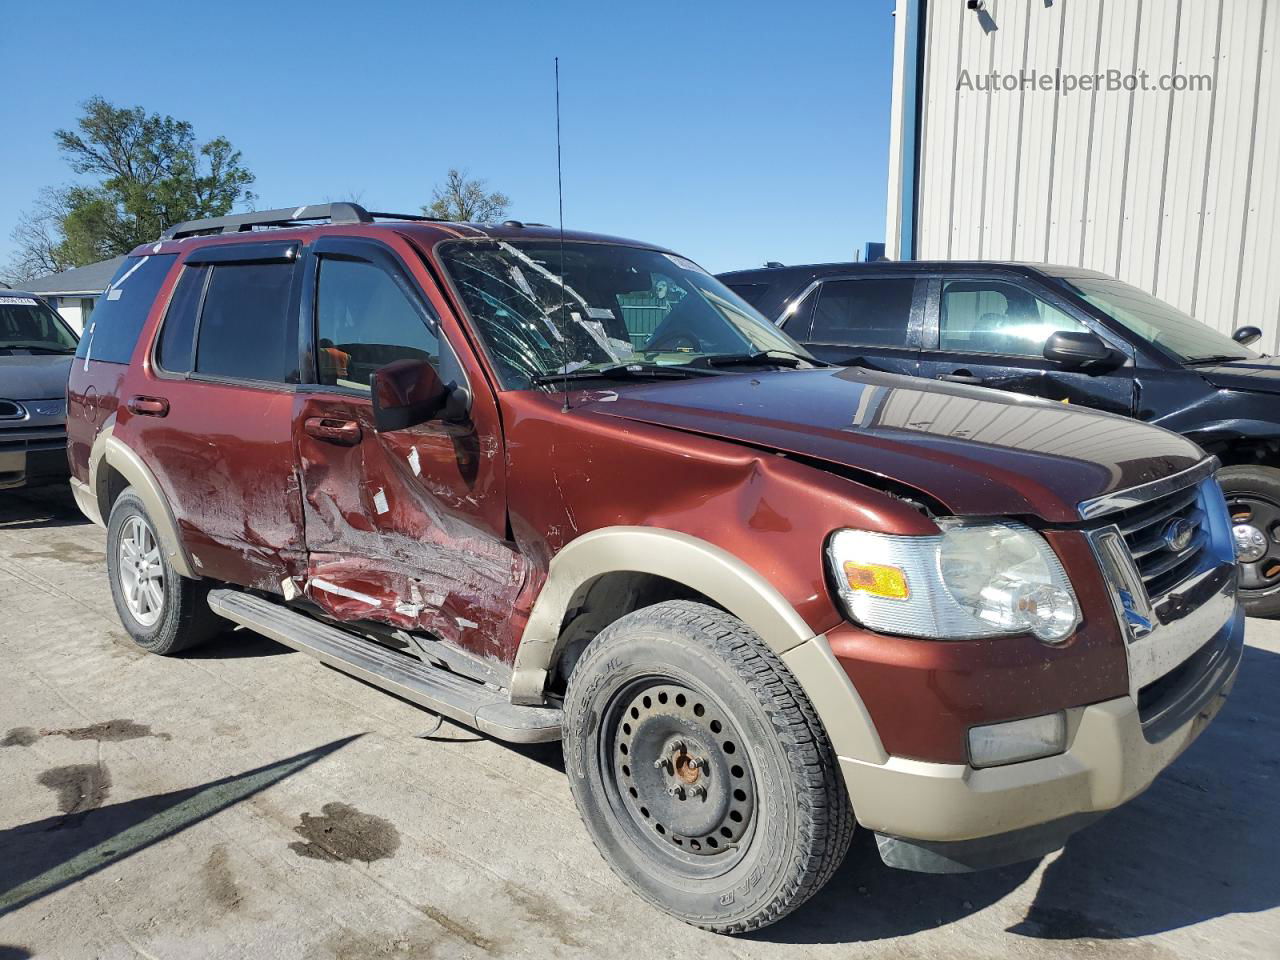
<point>287,217</point>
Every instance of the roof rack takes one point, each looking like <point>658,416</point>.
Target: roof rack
<point>287,217</point>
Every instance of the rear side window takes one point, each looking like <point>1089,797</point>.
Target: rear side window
<point>246,329</point>
<point>122,309</point>
<point>865,313</point>
<point>177,348</point>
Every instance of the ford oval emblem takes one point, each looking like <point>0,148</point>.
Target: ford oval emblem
<point>1178,533</point>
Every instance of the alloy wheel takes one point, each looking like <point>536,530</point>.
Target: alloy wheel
<point>141,571</point>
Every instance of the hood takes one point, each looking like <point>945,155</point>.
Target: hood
<point>34,377</point>
<point>1262,374</point>
<point>977,451</point>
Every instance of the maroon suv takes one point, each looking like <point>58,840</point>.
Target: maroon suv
<point>568,486</point>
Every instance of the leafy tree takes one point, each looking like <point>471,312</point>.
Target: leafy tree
<point>149,173</point>
<point>464,199</point>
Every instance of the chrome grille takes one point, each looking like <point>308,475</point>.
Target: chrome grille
<point>11,410</point>
<point>1148,530</point>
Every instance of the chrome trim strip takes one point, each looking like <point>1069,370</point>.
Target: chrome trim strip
<point>1145,493</point>
<point>795,301</point>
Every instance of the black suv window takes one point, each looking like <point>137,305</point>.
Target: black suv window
<point>753,293</point>
<point>177,346</point>
<point>122,309</point>
<point>993,316</point>
<point>365,319</point>
<point>246,330</point>
<point>865,313</point>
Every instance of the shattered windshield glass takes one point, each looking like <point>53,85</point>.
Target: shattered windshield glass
<point>610,305</point>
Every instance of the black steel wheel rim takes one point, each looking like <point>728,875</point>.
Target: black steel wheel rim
<point>676,772</point>
<point>1261,574</point>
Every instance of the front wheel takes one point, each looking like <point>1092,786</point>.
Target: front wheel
<point>1253,498</point>
<point>700,769</point>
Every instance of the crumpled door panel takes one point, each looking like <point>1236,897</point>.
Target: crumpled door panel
<point>405,528</point>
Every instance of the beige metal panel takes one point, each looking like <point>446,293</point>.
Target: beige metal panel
<point>938,129</point>
<point>1175,192</point>
<point>1259,291</point>
<point>1230,165</point>
<point>1190,124</point>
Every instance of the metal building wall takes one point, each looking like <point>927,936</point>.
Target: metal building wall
<point>1175,192</point>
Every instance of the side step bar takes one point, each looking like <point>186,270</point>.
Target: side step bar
<point>445,693</point>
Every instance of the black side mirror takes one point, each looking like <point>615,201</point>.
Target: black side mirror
<point>1075,349</point>
<point>405,393</point>
<point>1246,335</point>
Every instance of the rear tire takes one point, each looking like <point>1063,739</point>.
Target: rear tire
<point>1253,496</point>
<point>701,770</point>
<point>162,611</point>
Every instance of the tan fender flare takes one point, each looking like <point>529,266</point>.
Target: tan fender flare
<point>121,458</point>
<point>718,575</point>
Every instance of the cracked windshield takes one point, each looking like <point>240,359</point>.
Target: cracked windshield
<point>619,313</point>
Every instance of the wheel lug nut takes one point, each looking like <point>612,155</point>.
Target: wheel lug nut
<point>659,763</point>
<point>677,792</point>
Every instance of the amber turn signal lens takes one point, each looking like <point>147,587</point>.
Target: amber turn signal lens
<point>877,579</point>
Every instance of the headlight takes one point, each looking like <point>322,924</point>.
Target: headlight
<point>972,580</point>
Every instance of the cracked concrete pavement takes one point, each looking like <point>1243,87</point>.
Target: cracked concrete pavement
<point>245,800</point>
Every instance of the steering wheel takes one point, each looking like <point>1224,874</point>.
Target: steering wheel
<point>672,342</point>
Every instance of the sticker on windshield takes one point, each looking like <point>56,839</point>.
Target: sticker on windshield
<point>599,313</point>
<point>684,264</point>
<point>17,302</point>
<point>522,282</point>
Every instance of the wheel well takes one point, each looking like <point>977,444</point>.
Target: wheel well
<point>601,601</point>
<point>1246,452</point>
<point>111,483</point>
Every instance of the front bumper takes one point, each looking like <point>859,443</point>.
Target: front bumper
<point>33,455</point>
<point>951,817</point>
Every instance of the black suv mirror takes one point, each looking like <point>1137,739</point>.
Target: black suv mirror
<point>409,392</point>
<point>1246,335</point>
<point>1076,349</point>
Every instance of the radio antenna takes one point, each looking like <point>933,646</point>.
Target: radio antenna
<point>560,199</point>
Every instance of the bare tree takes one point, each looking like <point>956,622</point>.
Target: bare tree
<point>39,242</point>
<point>464,199</point>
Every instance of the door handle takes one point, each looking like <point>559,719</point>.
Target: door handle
<point>343,432</point>
<point>960,377</point>
<point>149,406</point>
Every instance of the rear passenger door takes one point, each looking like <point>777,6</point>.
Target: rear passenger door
<point>212,412</point>
<point>875,319</point>
<point>991,332</point>
<point>405,527</point>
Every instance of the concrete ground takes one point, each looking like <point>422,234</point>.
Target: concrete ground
<point>245,801</point>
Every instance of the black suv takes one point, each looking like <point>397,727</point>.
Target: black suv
<point>1061,333</point>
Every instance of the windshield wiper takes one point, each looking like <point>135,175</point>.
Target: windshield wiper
<point>778,358</point>
<point>1215,358</point>
<point>36,349</point>
<point>624,371</point>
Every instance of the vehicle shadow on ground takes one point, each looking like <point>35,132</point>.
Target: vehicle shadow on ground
<point>1202,842</point>
<point>237,644</point>
<point>43,508</point>
<point>53,853</point>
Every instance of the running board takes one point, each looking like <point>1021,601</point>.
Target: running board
<point>445,693</point>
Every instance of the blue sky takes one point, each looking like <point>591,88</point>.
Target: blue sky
<point>733,132</point>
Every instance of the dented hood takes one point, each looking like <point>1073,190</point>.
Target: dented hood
<point>977,451</point>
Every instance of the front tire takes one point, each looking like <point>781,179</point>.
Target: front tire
<point>1253,497</point>
<point>701,770</point>
<point>162,611</point>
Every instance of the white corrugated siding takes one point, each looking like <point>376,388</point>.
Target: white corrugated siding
<point>1175,192</point>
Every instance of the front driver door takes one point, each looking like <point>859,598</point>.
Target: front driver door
<point>991,332</point>
<point>405,527</point>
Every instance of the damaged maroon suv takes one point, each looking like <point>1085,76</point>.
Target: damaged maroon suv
<point>572,487</point>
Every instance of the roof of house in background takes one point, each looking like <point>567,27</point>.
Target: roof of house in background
<point>89,280</point>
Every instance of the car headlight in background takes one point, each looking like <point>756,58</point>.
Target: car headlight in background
<point>972,580</point>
